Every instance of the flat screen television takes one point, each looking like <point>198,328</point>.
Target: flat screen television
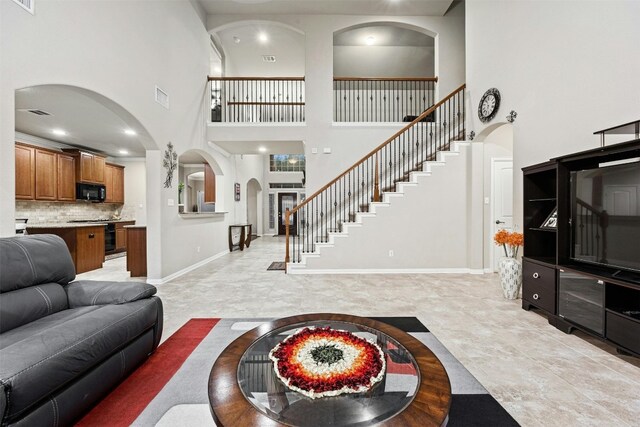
<point>605,216</point>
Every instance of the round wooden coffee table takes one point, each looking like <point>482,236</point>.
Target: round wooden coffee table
<point>244,391</point>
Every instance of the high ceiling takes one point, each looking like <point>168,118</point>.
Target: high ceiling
<point>89,120</point>
<point>328,7</point>
<point>383,35</point>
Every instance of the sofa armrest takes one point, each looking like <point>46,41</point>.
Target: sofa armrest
<point>96,292</point>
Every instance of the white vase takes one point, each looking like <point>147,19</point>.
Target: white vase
<point>510,270</point>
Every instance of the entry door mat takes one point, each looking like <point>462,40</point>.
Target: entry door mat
<point>170,388</point>
<point>276,266</point>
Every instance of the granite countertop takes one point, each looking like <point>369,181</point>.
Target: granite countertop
<point>66,225</point>
<point>75,224</point>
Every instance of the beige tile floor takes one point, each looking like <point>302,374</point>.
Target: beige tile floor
<point>542,376</point>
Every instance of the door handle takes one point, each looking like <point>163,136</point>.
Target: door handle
<point>499,222</point>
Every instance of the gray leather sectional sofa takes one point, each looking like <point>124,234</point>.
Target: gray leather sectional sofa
<point>63,344</point>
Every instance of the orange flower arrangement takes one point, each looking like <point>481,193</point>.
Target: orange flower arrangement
<point>511,240</point>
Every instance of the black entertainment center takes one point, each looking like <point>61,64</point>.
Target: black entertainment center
<point>581,261</point>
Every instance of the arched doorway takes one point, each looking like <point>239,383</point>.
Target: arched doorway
<point>254,211</point>
<point>499,177</point>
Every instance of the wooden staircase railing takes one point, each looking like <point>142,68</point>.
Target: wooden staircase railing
<point>379,171</point>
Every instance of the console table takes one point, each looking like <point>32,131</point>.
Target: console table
<point>243,234</point>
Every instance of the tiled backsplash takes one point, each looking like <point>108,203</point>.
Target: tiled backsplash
<point>55,212</point>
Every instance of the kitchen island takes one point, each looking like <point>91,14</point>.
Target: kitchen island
<point>85,240</point>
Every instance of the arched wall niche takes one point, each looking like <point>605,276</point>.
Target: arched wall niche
<point>200,183</point>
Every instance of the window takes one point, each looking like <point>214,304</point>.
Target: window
<point>287,163</point>
<point>285,185</point>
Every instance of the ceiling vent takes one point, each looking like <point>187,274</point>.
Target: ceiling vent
<point>162,98</point>
<point>28,5</point>
<point>268,58</point>
<point>35,111</point>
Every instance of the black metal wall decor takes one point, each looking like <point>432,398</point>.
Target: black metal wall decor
<point>237,191</point>
<point>170,162</point>
<point>489,105</point>
<point>512,116</point>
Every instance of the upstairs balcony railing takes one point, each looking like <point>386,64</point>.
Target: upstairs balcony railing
<point>257,99</point>
<point>338,202</point>
<point>363,99</point>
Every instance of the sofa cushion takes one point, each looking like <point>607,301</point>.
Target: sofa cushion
<point>26,305</point>
<point>33,260</point>
<point>44,356</point>
<point>96,292</point>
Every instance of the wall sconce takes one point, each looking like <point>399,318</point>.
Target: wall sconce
<point>512,116</point>
<point>472,135</point>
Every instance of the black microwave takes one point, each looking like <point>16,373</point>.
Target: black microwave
<point>91,192</point>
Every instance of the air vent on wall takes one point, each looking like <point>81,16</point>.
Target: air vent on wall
<point>35,111</point>
<point>162,98</point>
<point>268,58</point>
<point>28,5</point>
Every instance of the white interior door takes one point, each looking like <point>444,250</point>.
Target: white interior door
<point>501,203</point>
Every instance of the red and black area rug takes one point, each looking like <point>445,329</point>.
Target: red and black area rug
<point>170,388</point>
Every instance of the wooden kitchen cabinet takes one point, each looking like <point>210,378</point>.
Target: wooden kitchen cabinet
<point>90,248</point>
<point>137,250</point>
<point>66,178</point>
<point>25,172</point>
<point>89,167</point>
<point>209,184</point>
<point>46,175</point>
<point>121,235</point>
<point>85,243</point>
<point>114,183</point>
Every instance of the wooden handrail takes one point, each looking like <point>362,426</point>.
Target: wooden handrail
<point>386,79</point>
<point>378,148</point>
<point>265,103</point>
<point>224,79</point>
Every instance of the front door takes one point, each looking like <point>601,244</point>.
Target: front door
<point>287,201</point>
<point>502,202</point>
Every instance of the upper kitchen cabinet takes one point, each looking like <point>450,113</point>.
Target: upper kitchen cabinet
<point>114,183</point>
<point>66,177</point>
<point>25,172</point>
<point>89,167</point>
<point>46,175</point>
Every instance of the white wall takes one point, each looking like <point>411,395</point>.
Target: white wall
<point>120,51</point>
<point>568,68</point>
<point>383,61</point>
<point>439,209</point>
<point>135,190</point>
<point>347,144</point>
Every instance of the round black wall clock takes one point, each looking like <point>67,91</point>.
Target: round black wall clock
<point>489,104</point>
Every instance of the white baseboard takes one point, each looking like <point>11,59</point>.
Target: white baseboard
<point>186,270</point>
<point>387,271</point>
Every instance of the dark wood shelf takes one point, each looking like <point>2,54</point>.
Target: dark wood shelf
<point>546,284</point>
<point>545,199</point>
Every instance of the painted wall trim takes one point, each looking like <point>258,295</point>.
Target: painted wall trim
<point>184,271</point>
<point>294,270</point>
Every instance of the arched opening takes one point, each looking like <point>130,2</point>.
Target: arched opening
<point>383,72</point>
<point>83,159</point>
<point>384,49</point>
<point>262,73</point>
<point>199,188</point>
<point>498,180</point>
<point>254,211</point>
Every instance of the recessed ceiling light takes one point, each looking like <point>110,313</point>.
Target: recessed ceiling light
<point>263,38</point>
<point>123,152</point>
<point>236,40</point>
<point>130,132</point>
<point>217,69</point>
<point>262,149</point>
<point>59,132</point>
<point>370,40</point>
